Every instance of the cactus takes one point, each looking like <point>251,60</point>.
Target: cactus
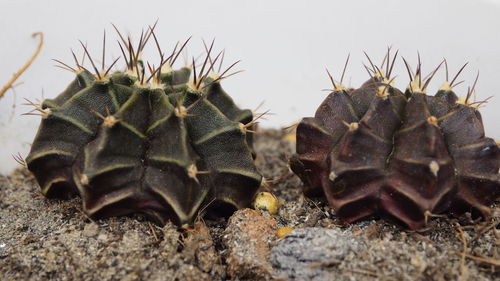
<point>406,156</point>
<point>163,145</point>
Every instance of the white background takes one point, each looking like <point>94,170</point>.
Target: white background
<point>284,47</point>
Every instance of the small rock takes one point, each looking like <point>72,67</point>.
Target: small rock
<point>199,247</point>
<point>50,257</point>
<point>170,241</point>
<point>302,253</point>
<point>90,230</point>
<point>131,241</point>
<point>190,273</point>
<point>102,237</point>
<point>247,238</point>
<point>418,263</point>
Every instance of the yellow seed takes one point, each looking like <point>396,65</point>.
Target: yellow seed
<point>266,201</point>
<point>282,232</point>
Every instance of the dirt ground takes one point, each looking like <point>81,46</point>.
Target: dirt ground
<point>44,239</point>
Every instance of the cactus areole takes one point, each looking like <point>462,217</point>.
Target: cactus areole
<point>377,151</point>
<point>167,145</point>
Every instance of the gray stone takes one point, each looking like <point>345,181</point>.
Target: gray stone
<point>307,253</point>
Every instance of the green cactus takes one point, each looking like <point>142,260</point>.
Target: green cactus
<point>162,145</point>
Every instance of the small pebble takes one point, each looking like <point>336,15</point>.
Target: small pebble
<point>102,237</point>
<point>90,230</point>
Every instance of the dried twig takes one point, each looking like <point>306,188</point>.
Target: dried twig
<point>464,249</point>
<point>371,273</point>
<point>25,66</point>
<point>492,261</point>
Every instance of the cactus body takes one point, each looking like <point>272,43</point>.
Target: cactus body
<point>377,151</point>
<point>164,150</point>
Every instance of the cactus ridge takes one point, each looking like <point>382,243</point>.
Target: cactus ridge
<point>378,151</point>
<point>163,144</point>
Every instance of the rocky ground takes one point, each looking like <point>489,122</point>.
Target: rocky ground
<point>44,239</point>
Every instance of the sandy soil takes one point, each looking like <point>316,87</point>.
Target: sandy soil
<point>44,239</point>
